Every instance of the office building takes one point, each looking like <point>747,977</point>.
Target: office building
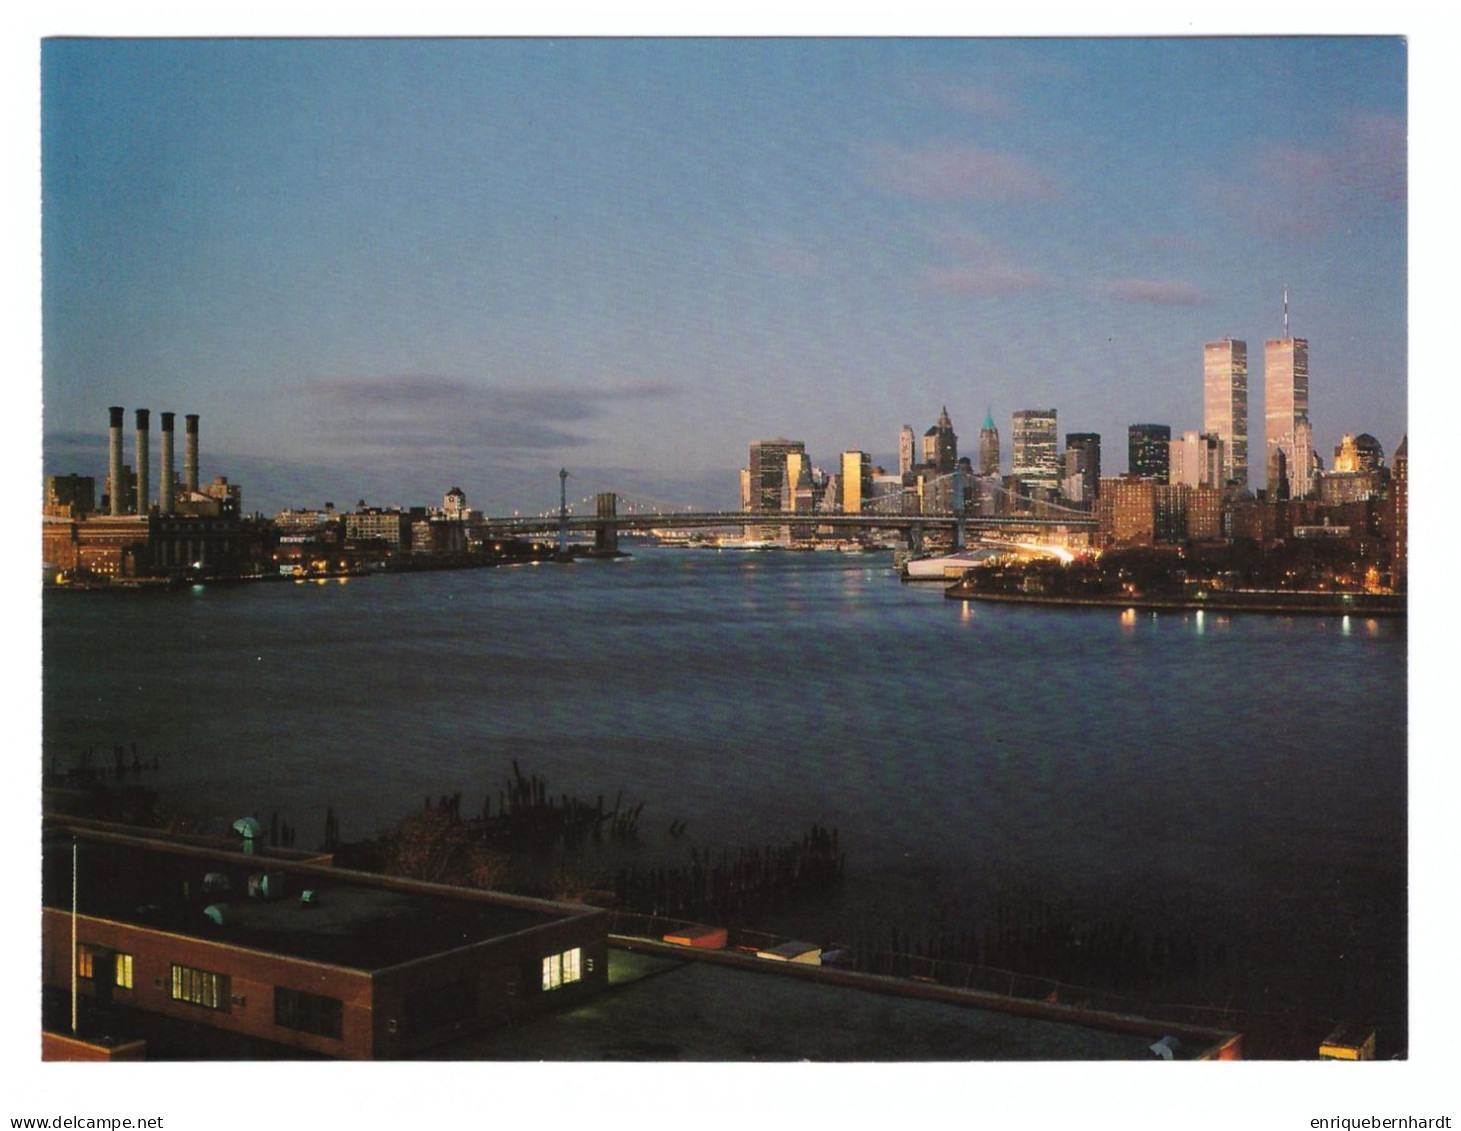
<point>1286,410</point>
<point>1148,451</point>
<point>906,450</point>
<point>1034,453</point>
<point>1082,467</point>
<point>856,481</point>
<point>1198,460</point>
<point>1225,405</point>
<point>767,473</point>
<point>941,445</point>
<point>989,455</point>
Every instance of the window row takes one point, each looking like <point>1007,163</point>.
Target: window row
<point>93,959</point>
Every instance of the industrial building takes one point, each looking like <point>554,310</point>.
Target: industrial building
<point>282,947</point>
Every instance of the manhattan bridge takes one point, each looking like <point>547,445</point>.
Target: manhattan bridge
<point>906,514</point>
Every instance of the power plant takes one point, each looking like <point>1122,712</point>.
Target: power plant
<point>186,531</point>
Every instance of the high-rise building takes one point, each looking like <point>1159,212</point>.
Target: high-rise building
<point>1225,404</point>
<point>940,445</point>
<point>1286,407</point>
<point>1082,467</point>
<point>766,473</point>
<point>1034,452</point>
<point>856,481</point>
<point>989,446</point>
<point>1148,454</point>
<point>1399,504</point>
<point>1197,460</point>
<point>906,450</point>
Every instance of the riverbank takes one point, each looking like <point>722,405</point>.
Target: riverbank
<point>1246,601</point>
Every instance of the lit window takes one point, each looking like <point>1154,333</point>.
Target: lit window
<point>199,987</point>
<point>124,971</point>
<point>561,969</point>
<point>85,962</point>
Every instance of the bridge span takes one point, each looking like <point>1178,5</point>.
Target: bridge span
<point>607,522</point>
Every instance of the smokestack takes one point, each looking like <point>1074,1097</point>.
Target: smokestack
<point>144,420</point>
<point>164,495</point>
<point>115,468</point>
<point>190,453</point>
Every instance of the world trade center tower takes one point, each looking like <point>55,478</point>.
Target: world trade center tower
<point>1225,404</point>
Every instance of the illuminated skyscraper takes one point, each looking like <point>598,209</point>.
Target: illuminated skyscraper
<point>1225,404</point>
<point>856,482</point>
<point>1148,451</point>
<point>1286,406</point>
<point>906,450</point>
<point>1034,454</point>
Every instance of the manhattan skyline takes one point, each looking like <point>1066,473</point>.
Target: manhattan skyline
<point>384,267</point>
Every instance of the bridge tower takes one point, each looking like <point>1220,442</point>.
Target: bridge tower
<point>958,495</point>
<point>606,532</point>
<point>562,511</point>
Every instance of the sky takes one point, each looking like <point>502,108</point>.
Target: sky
<point>381,268</point>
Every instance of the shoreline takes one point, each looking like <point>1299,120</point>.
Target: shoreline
<point>1309,604</point>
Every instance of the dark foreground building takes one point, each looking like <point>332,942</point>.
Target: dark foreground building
<point>286,949</point>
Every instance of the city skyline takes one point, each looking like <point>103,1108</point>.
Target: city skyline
<point>381,268</point>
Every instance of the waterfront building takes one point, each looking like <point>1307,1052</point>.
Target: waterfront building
<point>1286,411</point>
<point>941,445</point>
<point>1082,467</point>
<point>1398,519</point>
<point>388,524</point>
<point>1197,460</point>
<point>282,947</point>
<point>1035,456</point>
<point>856,481</point>
<point>1225,405</point>
<point>989,446</point>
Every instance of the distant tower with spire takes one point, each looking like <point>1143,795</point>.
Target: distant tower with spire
<point>989,445</point>
<point>940,445</point>
<point>1286,409</point>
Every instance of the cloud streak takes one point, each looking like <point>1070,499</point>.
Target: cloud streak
<point>393,414</point>
<point>1152,292</point>
<point>959,172</point>
<point>1294,191</point>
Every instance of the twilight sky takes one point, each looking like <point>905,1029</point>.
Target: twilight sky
<point>380,268</point>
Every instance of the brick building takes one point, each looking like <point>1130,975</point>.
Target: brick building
<point>284,948</point>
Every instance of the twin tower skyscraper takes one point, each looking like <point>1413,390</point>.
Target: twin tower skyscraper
<point>1288,437</point>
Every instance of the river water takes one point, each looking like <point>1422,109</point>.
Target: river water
<point>1243,776</point>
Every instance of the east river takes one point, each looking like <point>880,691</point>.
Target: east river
<point>1241,777</point>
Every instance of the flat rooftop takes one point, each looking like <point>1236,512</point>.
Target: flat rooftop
<point>662,1009</point>
<point>354,921</point>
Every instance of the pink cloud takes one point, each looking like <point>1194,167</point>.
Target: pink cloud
<point>1156,292</point>
<point>1299,191</point>
<point>960,172</point>
<point>971,98</point>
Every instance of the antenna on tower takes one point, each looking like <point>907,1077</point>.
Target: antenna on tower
<point>1285,312</point>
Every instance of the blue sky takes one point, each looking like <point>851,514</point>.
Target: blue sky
<point>379,268</point>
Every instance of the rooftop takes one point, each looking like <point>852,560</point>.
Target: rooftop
<point>353,920</point>
<point>660,1008</point>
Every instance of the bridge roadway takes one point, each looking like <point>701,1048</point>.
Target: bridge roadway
<point>630,520</point>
